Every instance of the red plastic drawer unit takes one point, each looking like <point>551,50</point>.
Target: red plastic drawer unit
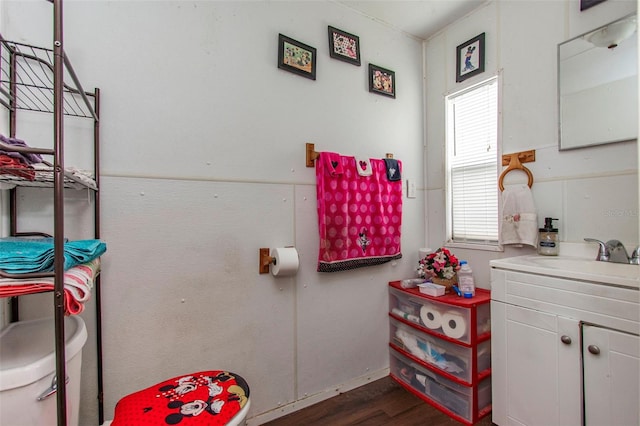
<point>440,349</point>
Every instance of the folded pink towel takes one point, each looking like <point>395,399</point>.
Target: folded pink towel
<point>332,163</point>
<point>78,283</point>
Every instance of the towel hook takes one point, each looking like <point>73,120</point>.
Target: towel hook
<point>516,164</point>
<point>311,154</point>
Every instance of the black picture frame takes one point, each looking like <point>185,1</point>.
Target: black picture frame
<point>344,46</point>
<point>297,57</point>
<point>586,4</point>
<point>470,58</point>
<point>382,81</point>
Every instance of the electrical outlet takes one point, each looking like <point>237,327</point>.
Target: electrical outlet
<point>411,189</point>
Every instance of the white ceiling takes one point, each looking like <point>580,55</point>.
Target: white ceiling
<point>420,18</point>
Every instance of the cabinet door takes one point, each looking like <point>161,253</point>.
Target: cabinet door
<point>535,367</point>
<point>611,376</point>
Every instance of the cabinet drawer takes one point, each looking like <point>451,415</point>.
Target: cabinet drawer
<point>446,356</point>
<point>454,397</point>
<point>452,322</point>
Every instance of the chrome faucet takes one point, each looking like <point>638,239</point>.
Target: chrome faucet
<point>614,251</point>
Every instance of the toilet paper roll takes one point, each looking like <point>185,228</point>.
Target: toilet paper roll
<point>431,316</point>
<point>454,324</point>
<point>286,261</point>
<point>423,252</point>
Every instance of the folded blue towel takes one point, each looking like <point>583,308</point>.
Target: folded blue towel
<point>21,256</point>
<point>393,169</point>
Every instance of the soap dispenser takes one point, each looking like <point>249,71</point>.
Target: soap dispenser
<point>548,243</point>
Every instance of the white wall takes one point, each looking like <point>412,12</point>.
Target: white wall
<point>592,191</point>
<point>204,163</point>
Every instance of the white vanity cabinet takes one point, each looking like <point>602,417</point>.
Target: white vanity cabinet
<point>532,369</point>
<point>612,376</point>
<point>545,326</point>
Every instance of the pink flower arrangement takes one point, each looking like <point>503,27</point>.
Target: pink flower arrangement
<point>442,264</point>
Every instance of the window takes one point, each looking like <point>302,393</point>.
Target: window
<point>472,164</point>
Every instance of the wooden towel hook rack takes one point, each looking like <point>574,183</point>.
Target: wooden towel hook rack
<point>514,162</point>
<point>312,155</point>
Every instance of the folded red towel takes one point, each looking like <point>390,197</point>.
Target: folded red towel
<point>15,167</point>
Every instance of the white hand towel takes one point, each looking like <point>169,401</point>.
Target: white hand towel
<point>363,165</point>
<point>519,218</point>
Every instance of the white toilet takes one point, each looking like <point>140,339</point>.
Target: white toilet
<point>27,368</point>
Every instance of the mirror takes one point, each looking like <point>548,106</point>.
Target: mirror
<point>598,86</point>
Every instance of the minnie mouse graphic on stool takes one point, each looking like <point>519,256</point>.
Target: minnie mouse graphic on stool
<point>205,398</point>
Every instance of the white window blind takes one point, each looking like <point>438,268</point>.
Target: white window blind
<point>472,161</point>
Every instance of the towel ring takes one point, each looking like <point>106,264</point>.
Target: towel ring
<point>514,164</point>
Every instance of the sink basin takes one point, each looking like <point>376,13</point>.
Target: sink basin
<point>589,266</point>
<point>575,268</point>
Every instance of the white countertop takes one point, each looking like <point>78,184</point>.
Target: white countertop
<point>577,268</point>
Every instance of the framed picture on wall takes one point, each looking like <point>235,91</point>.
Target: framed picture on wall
<point>470,58</point>
<point>296,57</point>
<point>382,81</point>
<point>586,4</point>
<point>344,46</point>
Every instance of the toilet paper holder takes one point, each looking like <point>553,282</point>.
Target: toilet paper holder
<point>265,260</point>
<point>283,261</point>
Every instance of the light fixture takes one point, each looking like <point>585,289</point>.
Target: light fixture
<point>611,35</point>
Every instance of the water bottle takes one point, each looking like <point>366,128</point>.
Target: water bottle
<point>465,280</point>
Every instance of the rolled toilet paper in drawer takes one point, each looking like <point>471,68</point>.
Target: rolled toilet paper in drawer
<point>431,316</point>
<point>454,324</point>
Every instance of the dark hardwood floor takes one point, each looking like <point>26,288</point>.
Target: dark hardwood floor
<point>382,402</point>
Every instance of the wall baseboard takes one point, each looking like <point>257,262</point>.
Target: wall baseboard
<point>316,398</point>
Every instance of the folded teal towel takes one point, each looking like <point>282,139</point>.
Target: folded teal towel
<point>82,251</point>
<point>21,256</point>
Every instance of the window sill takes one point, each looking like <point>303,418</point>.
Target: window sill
<point>475,246</point>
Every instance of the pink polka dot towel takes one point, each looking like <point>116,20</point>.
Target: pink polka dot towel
<point>359,217</point>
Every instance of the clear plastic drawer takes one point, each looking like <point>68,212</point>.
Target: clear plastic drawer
<point>448,320</point>
<point>453,396</point>
<point>441,354</point>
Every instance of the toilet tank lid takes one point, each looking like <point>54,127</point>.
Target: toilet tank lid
<point>27,349</point>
